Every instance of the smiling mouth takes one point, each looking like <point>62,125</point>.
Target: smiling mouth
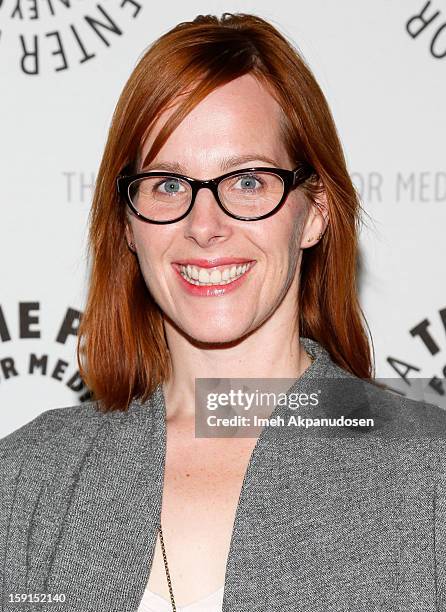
<point>220,276</point>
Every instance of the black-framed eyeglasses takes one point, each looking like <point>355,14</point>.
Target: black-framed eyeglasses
<point>249,194</point>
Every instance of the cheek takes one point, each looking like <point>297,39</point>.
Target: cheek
<point>287,235</point>
<point>149,242</point>
<point>293,240</point>
<point>147,250</point>
<point>297,221</point>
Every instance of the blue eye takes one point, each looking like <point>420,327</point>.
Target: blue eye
<point>172,185</point>
<point>249,181</point>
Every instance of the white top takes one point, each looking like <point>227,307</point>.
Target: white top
<point>151,602</point>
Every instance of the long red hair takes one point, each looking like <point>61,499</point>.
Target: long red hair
<point>122,349</point>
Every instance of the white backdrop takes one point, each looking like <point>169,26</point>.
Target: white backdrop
<point>63,63</point>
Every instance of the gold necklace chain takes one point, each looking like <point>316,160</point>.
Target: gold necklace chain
<point>166,567</point>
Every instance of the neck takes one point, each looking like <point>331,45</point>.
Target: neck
<point>271,351</point>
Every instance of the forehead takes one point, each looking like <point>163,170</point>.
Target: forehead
<point>235,118</point>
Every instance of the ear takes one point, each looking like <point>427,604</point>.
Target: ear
<point>317,221</point>
<point>129,236</point>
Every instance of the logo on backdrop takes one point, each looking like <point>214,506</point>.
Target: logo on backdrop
<point>420,187</point>
<point>406,369</point>
<point>48,36</point>
<point>406,187</point>
<point>39,362</point>
<point>430,24</point>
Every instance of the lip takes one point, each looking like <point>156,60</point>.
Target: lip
<point>211,290</point>
<point>212,263</point>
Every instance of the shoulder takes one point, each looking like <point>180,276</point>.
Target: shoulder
<point>403,415</point>
<point>399,425</point>
<point>396,413</point>
<point>48,422</point>
<point>51,432</point>
<point>403,430</point>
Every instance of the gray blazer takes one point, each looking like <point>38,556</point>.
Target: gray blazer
<point>345,520</point>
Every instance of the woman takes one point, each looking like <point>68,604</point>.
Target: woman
<point>223,240</point>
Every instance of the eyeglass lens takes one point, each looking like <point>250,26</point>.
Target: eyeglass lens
<point>164,198</point>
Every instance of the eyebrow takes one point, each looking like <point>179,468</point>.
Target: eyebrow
<point>225,164</point>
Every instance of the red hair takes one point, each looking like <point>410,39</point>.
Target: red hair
<point>122,349</point>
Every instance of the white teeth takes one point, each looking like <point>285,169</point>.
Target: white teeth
<point>202,276</point>
<point>215,276</point>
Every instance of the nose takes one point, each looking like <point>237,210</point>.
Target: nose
<point>206,222</point>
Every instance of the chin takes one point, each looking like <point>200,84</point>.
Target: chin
<point>216,334</point>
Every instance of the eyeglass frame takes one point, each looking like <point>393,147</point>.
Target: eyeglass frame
<point>290,178</point>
